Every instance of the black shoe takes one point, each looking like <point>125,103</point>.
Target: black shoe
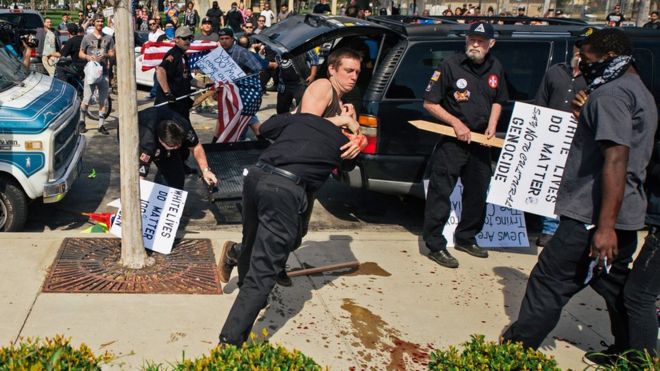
<point>472,249</point>
<point>103,130</point>
<point>607,356</point>
<point>283,279</point>
<point>82,127</point>
<point>543,240</point>
<point>444,258</point>
<point>226,263</point>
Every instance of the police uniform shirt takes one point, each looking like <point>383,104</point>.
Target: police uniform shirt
<point>176,66</point>
<point>468,90</point>
<point>305,144</point>
<point>559,87</point>
<point>150,147</point>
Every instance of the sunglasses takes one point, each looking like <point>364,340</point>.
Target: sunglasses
<point>187,38</point>
<point>152,24</point>
<point>249,26</point>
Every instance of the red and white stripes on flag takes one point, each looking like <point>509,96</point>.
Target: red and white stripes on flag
<point>154,51</point>
<point>230,121</point>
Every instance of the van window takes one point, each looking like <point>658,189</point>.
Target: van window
<point>28,21</point>
<point>524,65</point>
<point>11,70</point>
<point>417,66</point>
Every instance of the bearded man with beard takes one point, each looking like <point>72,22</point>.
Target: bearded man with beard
<point>560,84</point>
<point>466,92</point>
<point>601,200</point>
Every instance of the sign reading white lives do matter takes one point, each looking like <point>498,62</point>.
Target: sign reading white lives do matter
<point>503,227</point>
<point>161,208</point>
<point>219,66</point>
<point>531,164</point>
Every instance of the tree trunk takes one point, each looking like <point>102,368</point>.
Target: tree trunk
<point>643,13</point>
<point>132,248</point>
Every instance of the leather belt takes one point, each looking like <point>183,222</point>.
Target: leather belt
<point>270,169</point>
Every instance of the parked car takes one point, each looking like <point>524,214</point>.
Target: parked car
<point>41,148</point>
<point>404,51</point>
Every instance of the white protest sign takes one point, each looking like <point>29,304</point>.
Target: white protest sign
<point>161,208</point>
<point>108,12</point>
<point>503,227</point>
<point>531,164</point>
<point>219,66</point>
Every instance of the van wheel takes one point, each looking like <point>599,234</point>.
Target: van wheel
<point>13,207</point>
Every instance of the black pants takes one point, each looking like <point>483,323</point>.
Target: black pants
<point>171,170</point>
<point>453,159</point>
<point>273,209</point>
<point>640,292</point>
<point>560,274</point>
<point>286,95</point>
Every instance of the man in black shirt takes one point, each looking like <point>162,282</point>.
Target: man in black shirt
<point>654,22</point>
<point>466,92</point>
<point>173,75</point>
<point>306,149</point>
<point>322,7</point>
<point>215,15</point>
<point>234,18</point>
<point>616,18</point>
<point>560,84</point>
<point>167,139</point>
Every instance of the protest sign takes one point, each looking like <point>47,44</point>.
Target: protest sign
<point>503,227</point>
<point>531,164</point>
<point>161,208</point>
<point>220,67</point>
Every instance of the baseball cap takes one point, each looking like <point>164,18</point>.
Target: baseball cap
<point>226,32</point>
<point>183,32</point>
<point>482,29</point>
<point>584,34</point>
<point>206,20</point>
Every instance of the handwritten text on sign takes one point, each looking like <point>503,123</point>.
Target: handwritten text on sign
<point>531,164</point>
<point>503,227</point>
<point>219,66</point>
<point>161,209</point>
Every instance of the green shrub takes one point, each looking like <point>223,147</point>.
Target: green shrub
<point>254,356</point>
<point>640,361</point>
<point>478,354</point>
<point>49,354</point>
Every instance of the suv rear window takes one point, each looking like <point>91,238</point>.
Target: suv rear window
<point>524,64</point>
<point>28,21</point>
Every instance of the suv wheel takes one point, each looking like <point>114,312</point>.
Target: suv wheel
<point>13,207</point>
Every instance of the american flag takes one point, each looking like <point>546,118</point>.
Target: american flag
<point>153,52</point>
<point>238,102</point>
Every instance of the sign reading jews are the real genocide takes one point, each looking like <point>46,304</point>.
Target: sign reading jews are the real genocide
<point>161,209</point>
<point>219,66</point>
<point>503,227</point>
<point>531,164</point>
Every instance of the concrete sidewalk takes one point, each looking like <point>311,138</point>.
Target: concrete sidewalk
<point>397,303</point>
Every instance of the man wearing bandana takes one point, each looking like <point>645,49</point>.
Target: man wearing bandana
<point>601,201</point>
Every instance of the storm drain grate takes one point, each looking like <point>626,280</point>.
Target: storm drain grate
<point>91,265</point>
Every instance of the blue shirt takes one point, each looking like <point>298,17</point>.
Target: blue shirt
<point>245,59</point>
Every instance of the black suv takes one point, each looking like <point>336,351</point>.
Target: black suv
<point>404,52</point>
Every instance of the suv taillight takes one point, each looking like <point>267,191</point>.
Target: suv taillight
<point>369,127</point>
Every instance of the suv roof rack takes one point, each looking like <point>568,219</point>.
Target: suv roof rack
<point>448,26</point>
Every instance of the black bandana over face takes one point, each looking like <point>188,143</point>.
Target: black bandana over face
<point>604,71</point>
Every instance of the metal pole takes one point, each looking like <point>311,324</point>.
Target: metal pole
<point>132,248</point>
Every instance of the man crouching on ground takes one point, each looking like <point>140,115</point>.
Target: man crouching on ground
<point>306,149</point>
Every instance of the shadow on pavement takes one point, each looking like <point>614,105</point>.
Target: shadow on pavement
<point>287,302</point>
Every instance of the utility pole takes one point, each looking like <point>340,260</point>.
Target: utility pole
<point>132,248</point>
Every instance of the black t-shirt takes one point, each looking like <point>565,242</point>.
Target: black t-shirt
<point>305,144</point>
<point>150,147</point>
<point>615,19</point>
<point>177,68</point>
<point>71,48</point>
<point>321,8</point>
<point>214,14</point>
<point>234,20</point>
<point>467,90</point>
<point>559,87</point>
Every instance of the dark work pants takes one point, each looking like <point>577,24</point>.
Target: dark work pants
<point>170,169</point>
<point>640,292</point>
<point>560,274</point>
<point>272,221</point>
<point>286,96</point>
<point>453,159</point>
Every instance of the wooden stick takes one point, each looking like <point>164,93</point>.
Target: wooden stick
<point>324,268</point>
<point>449,131</point>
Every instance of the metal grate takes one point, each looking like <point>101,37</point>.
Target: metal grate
<point>91,265</point>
